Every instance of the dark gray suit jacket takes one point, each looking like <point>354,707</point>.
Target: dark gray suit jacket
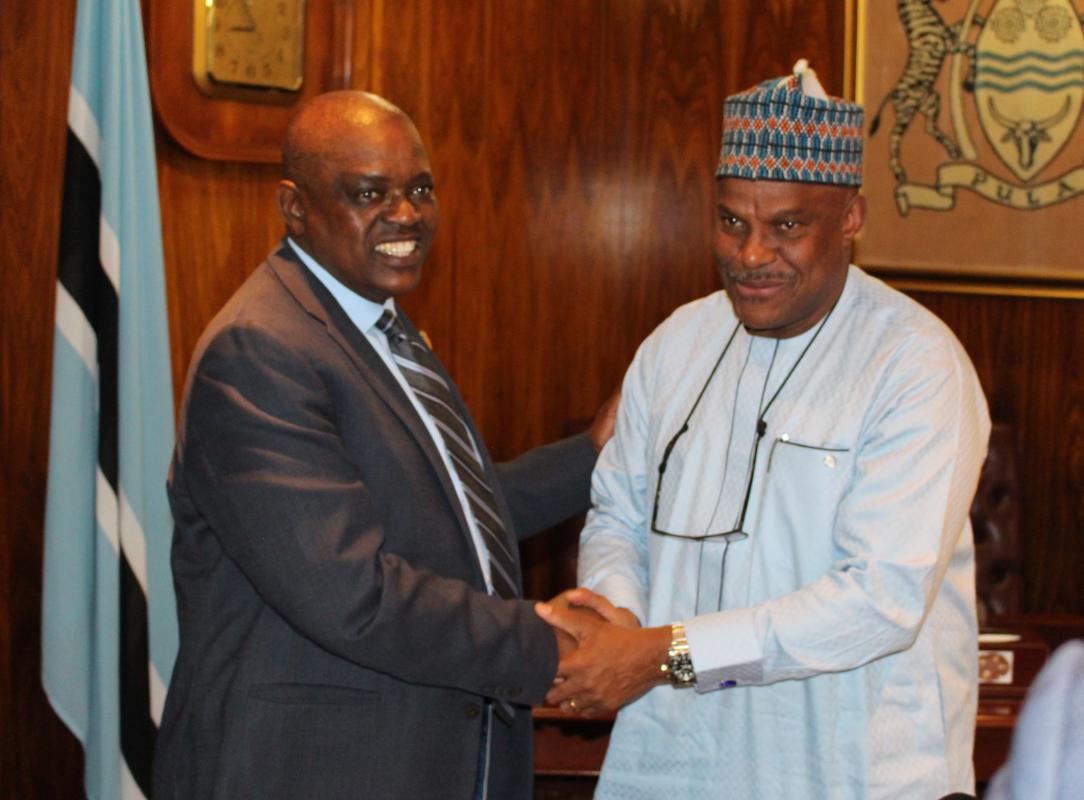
<point>336,637</point>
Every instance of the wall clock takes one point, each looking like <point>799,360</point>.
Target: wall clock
<point>227,75</point>
<point>249,44</point>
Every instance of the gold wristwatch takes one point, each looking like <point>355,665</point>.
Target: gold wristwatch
<point>678,668</point>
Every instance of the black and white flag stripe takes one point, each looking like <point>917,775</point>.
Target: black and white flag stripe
<point>91,290</point>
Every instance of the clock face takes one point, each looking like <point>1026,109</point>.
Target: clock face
<point>254,44</point>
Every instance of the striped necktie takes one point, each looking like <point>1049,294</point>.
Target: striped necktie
<point>420,368</point>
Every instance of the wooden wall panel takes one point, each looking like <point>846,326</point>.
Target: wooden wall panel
<point>38,757</point>
<point>219,221</point>
<point>573,143</point>
<point>574,175</point>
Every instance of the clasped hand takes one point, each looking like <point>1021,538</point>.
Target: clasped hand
<point>606,659</point>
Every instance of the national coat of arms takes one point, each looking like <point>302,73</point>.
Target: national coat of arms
<point>1015,85</point>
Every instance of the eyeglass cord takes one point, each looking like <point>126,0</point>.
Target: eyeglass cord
<point>761,429</point>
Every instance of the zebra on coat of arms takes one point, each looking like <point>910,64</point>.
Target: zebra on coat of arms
<point>1023,76</point>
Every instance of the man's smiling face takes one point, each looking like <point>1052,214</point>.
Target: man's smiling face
<point>782,250</point>
<point>361,202</point>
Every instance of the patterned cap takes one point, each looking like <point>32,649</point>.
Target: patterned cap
<point>789,129</point>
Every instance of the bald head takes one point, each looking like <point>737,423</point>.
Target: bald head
<point>357,192</point>
<point>323,123</point>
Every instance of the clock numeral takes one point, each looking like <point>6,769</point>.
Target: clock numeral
<point>250,44</point>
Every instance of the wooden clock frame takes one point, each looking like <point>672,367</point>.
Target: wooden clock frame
<point>240,125</point>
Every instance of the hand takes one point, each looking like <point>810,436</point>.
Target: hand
<point>566,642</point>
<point>585,598</point>
<point>602,427</point>
<point>612,665</point>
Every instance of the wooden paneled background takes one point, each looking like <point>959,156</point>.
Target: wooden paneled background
<point>573,143</point>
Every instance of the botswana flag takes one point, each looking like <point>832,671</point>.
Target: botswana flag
<point>109,631</point>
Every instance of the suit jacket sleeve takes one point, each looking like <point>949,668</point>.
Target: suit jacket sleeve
<point>262,462</point>
<point>548,484</point>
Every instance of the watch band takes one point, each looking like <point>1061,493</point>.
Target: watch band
<point>679,663</point>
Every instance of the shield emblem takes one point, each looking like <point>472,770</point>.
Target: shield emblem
<point>1029,80</point>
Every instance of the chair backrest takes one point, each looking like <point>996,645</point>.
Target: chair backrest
<point>995,519</point>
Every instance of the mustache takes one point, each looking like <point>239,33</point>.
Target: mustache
<point>755,276</point>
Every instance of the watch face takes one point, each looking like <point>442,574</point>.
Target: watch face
<point>685,676</point>
<point>250,43</point>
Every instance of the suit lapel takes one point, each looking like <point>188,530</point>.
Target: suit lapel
<point>314,297</point>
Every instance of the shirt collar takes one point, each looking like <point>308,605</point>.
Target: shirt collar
<point>362,312</point>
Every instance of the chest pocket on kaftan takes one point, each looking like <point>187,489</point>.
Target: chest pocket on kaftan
<point>808,476</point>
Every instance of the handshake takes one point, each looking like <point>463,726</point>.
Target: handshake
<point>606,659</point>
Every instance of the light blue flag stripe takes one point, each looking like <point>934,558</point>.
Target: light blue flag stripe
<point>68,619</point>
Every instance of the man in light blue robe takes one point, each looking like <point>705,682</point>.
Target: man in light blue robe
<point>784,507</point>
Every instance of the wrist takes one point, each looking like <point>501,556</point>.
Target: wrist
<point>656,641</point>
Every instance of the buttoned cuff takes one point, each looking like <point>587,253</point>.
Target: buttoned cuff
<point>725,649</point>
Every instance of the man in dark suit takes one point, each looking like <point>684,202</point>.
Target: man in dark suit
<point>344,552</point>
